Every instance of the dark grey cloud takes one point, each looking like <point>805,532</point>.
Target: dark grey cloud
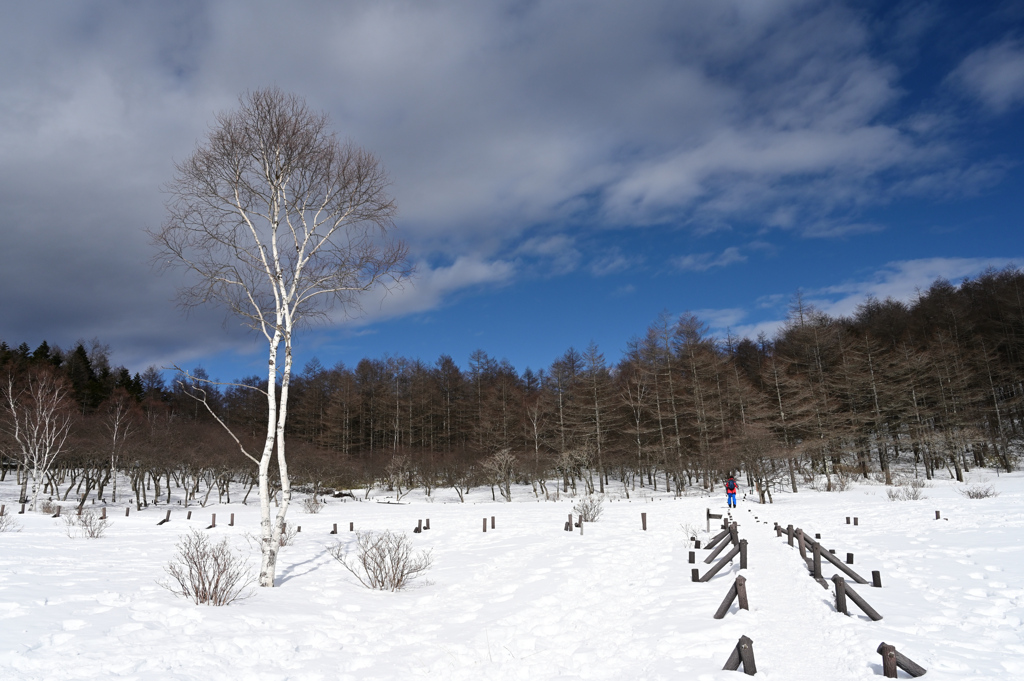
<point>507,127</point>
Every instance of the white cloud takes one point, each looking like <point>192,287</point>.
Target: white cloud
<point>702,262</point>
<point>993,75</point>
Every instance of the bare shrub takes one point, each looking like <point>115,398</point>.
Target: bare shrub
<point>908,492</point>
<point>589,508</point>
<point>312,505</point>
<point>9,524</point>
<point>382,560</point>
<point>289,535</point>
<point>208,573</point>
<point>978,492</point>
<point>88,525</point>
<point>48,507</point>
<point>691,531</point>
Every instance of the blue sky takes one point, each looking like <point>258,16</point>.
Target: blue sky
<point>565,171</point>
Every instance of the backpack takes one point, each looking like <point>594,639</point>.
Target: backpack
<point>730,486</point>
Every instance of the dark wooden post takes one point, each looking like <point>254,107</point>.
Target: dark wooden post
<point>817,535</point>
<point>816,565</point>
<point>734,536</point>
<point>166,519</point>
<point>351,527</point>
<point>849,559</point>
<point>741,592</point>
<point>693,557</point>
<point>903,662</point>
<point>426,525</point>
<point>847,520</point>
<point>335,530</point>
<point>188,516</point>
<point>888,653</point>
<point>298,528</point>
<point>743,554</point>
<point>730,596</point>
<point>938,515</point>
<point>126,511</point>
<point>694,575</point>
<point>800,543</point>
<point>568,526</point>
<point>876,578</point>
<point>213,522</point>
<point>789,533</point>
<point>742,653</point>
<point>492,521</point>
<point>485,524</point>
<point>696,544</point>
<point>778,530</point>
<point>643,521</point>
<point>840,594</point>
<point>231,523</point>
<point>856,520</point>
<point>419,526</point>
<point>103,513</point>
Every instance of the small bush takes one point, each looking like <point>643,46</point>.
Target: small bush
<point>908,492</point>
<point>88,525</point>
<point>208,573</point>
<point>978,492</point>
<point>691,532</point>
<point>48,507</point>
<point>382,560</point>
<point>312,505</point>
<point>589,508</point>
<point>9,524</point>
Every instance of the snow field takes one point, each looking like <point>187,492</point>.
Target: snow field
<point>528,600</point>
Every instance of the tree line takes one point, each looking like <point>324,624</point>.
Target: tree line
<point>935,383</point>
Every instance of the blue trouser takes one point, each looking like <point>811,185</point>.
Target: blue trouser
<point>732,498</point>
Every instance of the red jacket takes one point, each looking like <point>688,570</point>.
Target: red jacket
<point>730,487</point>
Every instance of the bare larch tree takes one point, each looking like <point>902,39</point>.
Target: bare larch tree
<point>282,223</point>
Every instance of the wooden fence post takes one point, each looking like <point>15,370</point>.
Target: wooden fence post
<point>485,524</point>
<point>888,653</point>
<point>816,563</point>
<point>335,530</point>
<point>351,527</point>
<point>902,661</point>
<point>126,511</point>
<point>737,590</point>
<point>213,522</point>
<point>938,515</point>
<point>426,525</point>
<point>789,533</point>
<point>188,516</point>
<point>840,594</point>
<point>743,652</point>
<point>492,521</point>
<point>856,520</point>
<point>643,521</point>
<point>847,520</point>
<point>694,575</point>
<point>231,523</point>
<point>166,519</point>
<point>743,554</point>
<point>741,592</point>
<point>876,578</point>
<point>693,557</point>
<point>800,543</point>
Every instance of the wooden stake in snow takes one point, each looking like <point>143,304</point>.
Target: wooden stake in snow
<point>888,653</point>
<point>789,534</point>
<point>335,530</point>
<point>485,524</point>
<point>840,594</point>
<point>126,511</point>
<point>901,661</point>
<point>167,519</point>
<point>213,522</point>
<point>352,527</point>
<point>743,554</point>
<point>643,521</point>
<point>695,575</point>
<point>693,557</point>
<point>876,579</point>
<point>849,559</point>
<point>938,516</point>
<point>737,590</point>
<point>856,520</point>
<point>231,523</point>
<point>492,521</point>
<point>743,652</point>
<point>188,516</point>
<point>103,513</point>
<point>847,520</point>
<point>426,525</point>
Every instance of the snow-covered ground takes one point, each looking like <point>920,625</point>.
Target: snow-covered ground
<point>528,600</point>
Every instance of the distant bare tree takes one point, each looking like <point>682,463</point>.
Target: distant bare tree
<point>275,218</point>
<point>39,416</point>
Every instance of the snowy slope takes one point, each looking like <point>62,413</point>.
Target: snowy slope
<point>528,600</point>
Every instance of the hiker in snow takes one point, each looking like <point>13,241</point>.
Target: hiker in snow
<point>730,490</point>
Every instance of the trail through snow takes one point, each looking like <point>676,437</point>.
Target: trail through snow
<point>528,600</point>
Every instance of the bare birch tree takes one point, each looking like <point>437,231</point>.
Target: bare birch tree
<point>39,416</point>
<point>276,219</point>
